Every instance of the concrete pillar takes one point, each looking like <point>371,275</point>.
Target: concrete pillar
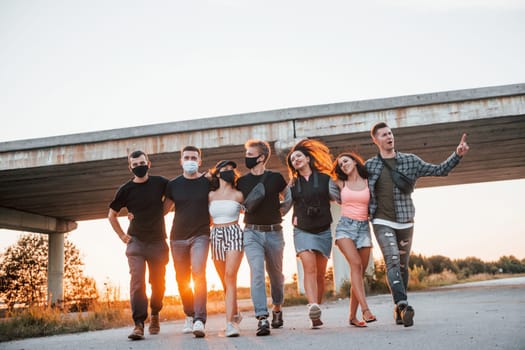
<point>300,277</point>
<point>55,268</point>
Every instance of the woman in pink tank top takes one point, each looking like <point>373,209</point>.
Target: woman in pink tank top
<point>352,235</point>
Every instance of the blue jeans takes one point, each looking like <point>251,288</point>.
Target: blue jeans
<point>189,259</point>
<point>395,246</point>
<point>155,255</point>
<point>265,248</point>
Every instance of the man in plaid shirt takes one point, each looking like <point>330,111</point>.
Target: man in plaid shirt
<point>392,210</point>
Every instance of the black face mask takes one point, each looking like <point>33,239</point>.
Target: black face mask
<point>140,171</point>
<point>251,162</point>
<point>228,176</point>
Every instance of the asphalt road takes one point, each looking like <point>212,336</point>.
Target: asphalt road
<point>481,315</point>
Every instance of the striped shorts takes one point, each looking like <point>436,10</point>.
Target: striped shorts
<point>225,238</point>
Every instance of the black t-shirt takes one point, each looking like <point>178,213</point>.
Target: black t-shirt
<point>145,202</point>
<point>190,196</point>
<point>268,211</point>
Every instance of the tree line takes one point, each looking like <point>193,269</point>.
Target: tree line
<point>468,266</point>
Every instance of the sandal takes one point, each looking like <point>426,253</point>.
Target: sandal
<point>356,323</point>
<point>371,317</point>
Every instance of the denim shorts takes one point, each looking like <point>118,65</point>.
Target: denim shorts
<point>321,242</point>
<point>357,231</point>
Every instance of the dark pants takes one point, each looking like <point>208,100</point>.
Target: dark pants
<point>395,246</point>
<point>155,255</point>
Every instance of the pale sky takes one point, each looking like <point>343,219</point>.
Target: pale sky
<point>78,66</point>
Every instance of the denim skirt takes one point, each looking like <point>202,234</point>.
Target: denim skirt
<point>321,242</point>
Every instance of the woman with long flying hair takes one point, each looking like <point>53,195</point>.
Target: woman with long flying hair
<point>309,165</point>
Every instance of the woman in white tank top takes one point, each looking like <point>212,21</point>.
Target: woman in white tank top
<point>352,235</point>
<point>227,237</point>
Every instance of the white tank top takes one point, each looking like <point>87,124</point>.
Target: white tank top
<point>223,211</point>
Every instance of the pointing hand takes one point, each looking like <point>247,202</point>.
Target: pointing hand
<point>463,146</point>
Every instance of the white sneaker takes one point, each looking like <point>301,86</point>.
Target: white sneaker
<point>198,329</point>
<point>231,330</point>
<point>314,314</point>
<point>188,325</point>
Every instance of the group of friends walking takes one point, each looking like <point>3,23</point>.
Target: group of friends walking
<point>207,207</point>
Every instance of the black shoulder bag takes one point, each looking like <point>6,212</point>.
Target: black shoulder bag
<point>403,182</point>
<point>256,196</point>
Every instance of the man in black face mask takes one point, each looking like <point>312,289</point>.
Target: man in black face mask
<point>143,196</point>
<point>263,235</point>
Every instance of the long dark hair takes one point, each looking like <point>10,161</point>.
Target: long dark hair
<point>338,173</point>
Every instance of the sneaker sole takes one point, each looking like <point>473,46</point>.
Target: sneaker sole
<point>408,316</point>
<point>135,337</point>
<point>316,324</point>
<point>263,332</point>
<point>199,334</point>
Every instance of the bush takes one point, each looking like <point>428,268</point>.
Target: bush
<point>509,264</point>
<point>378,283</point>
<point>416,278</point>
<point>441,279</point>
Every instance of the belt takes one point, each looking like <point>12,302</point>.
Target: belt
<point>264,228</point>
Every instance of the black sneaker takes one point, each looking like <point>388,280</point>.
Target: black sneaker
<point>263,327</point>
<point>397,315</point>
<point>407,314</point>
<point>277,319</point>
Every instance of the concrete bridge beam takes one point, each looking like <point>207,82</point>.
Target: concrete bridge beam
<point>22,221</point>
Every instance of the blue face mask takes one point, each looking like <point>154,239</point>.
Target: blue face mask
<point>190,166</point>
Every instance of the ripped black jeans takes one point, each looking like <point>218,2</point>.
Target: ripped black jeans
<point>395,246</point>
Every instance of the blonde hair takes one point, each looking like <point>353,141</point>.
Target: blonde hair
<point>262,146</point>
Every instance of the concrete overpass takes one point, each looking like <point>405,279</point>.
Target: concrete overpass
<point>48,184</point>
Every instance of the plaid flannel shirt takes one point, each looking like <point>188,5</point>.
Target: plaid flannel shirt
<point>413,167</point>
